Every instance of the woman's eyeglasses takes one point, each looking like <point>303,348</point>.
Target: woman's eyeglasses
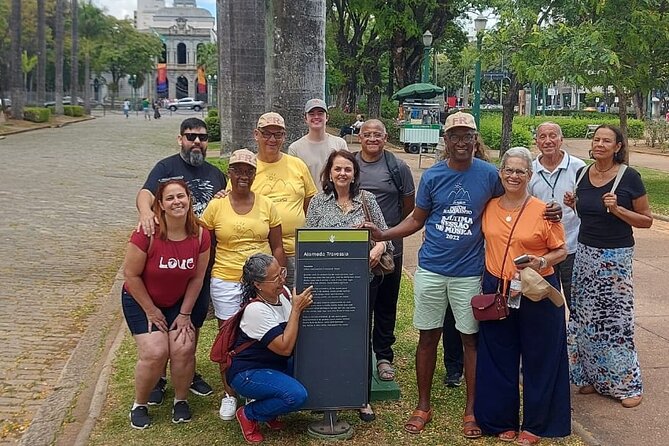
<point>282,275</point>
<point>165,180</point>
<point>193,136</point>
<point>508,172</point>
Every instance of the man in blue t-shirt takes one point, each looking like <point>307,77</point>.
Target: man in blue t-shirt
<point>450,201</point>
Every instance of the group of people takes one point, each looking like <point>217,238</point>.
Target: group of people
<point>483,226</point>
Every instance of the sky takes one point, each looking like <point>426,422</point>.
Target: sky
<point>124,8</point>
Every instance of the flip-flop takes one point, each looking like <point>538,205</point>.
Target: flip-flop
<point>417,421</point>
<point>467,430</point>
<point>385,370</point>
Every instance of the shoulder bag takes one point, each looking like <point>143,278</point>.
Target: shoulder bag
<point>386,263</point>
<point>493,306</point>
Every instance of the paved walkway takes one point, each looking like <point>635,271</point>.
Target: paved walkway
<point>68,197</point>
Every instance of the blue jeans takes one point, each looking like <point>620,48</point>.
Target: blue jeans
<point>275,393</point>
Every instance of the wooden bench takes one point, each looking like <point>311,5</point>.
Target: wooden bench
<point>591,130</point>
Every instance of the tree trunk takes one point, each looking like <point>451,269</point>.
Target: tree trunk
<point>622,114</point>
<point>639,104</point>
<point>299,69</point>
<point>74,69</point>
<point>41,53</point>
<point>87,77</point>
<point>59,42</point>
<point>17,89</point>
<point>242,71</point>
<point>508,104</point>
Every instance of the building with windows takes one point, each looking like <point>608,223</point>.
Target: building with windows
<point>183,28</point>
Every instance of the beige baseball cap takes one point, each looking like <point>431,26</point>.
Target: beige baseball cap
<point>315,103</point>
<point>460,119</point>
<point>535,287</point>
<point>243,156</point>
<point>271,118</point>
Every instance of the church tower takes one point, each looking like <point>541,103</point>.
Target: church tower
<point>145,11</point>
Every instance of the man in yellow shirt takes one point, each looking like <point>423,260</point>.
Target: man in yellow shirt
<point>285,179</point>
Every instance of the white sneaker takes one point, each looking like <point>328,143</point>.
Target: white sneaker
<point>228,408</point>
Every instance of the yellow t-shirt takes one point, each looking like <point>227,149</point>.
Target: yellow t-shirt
<point>239,236</point>
<point>287,183</point>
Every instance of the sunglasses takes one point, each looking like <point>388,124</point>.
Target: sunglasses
<point>165,180</point>
<point>193,136</point>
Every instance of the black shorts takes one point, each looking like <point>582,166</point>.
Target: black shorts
<point>135,316</point>
<point>201,307</point>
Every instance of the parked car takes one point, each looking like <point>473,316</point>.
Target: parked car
<point>67,100</point>
<point>186,104</point>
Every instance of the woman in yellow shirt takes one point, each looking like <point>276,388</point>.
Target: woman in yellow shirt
<point>244,223</point>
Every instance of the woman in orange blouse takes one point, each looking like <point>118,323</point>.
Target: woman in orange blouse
<point>534,331</point>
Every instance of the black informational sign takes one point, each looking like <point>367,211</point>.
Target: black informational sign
<point>332,351</point>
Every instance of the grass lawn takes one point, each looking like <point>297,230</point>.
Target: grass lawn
<point>657,186</point>
<point>113,427</point>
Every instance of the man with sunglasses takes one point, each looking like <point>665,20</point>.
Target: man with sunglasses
<point>204,181</point>
<point>315,147</point>
<point>285,179</point>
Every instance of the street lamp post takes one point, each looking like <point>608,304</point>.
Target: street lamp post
<point>212,80</point>
<point>479,27</point>
<point>133,95</point>
<point>427,46</point>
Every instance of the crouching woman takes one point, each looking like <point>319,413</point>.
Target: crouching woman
<point>263,371</point>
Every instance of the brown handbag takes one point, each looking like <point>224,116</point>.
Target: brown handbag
<point>386,263</point>
<point>493,306</point>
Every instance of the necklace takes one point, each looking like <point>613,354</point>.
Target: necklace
<point>266,301</point>
<point>509,213</point>
<point>605,170</point>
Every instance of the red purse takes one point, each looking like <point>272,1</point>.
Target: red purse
<point>493,306</point>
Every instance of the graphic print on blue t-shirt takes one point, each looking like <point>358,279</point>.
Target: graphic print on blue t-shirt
<point>454,201</point>
<point>456,220</point>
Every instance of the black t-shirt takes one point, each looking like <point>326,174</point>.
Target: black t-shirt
<point>203,181</point>
<point>599,228</point>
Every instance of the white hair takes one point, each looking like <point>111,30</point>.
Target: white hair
<point>518,152</point>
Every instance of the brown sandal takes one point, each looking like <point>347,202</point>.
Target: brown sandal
<point>417,421</point>
<point>526,438</point>
<point>470,429</point>
<point>587,390</point>
<point>507,436</point>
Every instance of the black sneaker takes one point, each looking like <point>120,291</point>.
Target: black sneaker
<point>181,412</point>
<point>157,395</point>
<point>453,380</point>
<point>139,417</point>
<point>199,386</point>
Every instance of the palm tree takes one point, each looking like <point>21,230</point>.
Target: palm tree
<point>41,53</point>
<point>242,66</point>
<point>298,59</point>
<point>92,26</point>
<point>18,92</point>
<point>74,71</point>
<point>60,44</point>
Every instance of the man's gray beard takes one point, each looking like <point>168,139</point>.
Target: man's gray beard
<point>193,158</point>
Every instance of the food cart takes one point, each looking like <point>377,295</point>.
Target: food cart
<point>419,126</point>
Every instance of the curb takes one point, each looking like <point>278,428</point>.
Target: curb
<point>46,126</point>
<point>83,365</point>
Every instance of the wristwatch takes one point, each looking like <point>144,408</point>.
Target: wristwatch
<point>543,263</point>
